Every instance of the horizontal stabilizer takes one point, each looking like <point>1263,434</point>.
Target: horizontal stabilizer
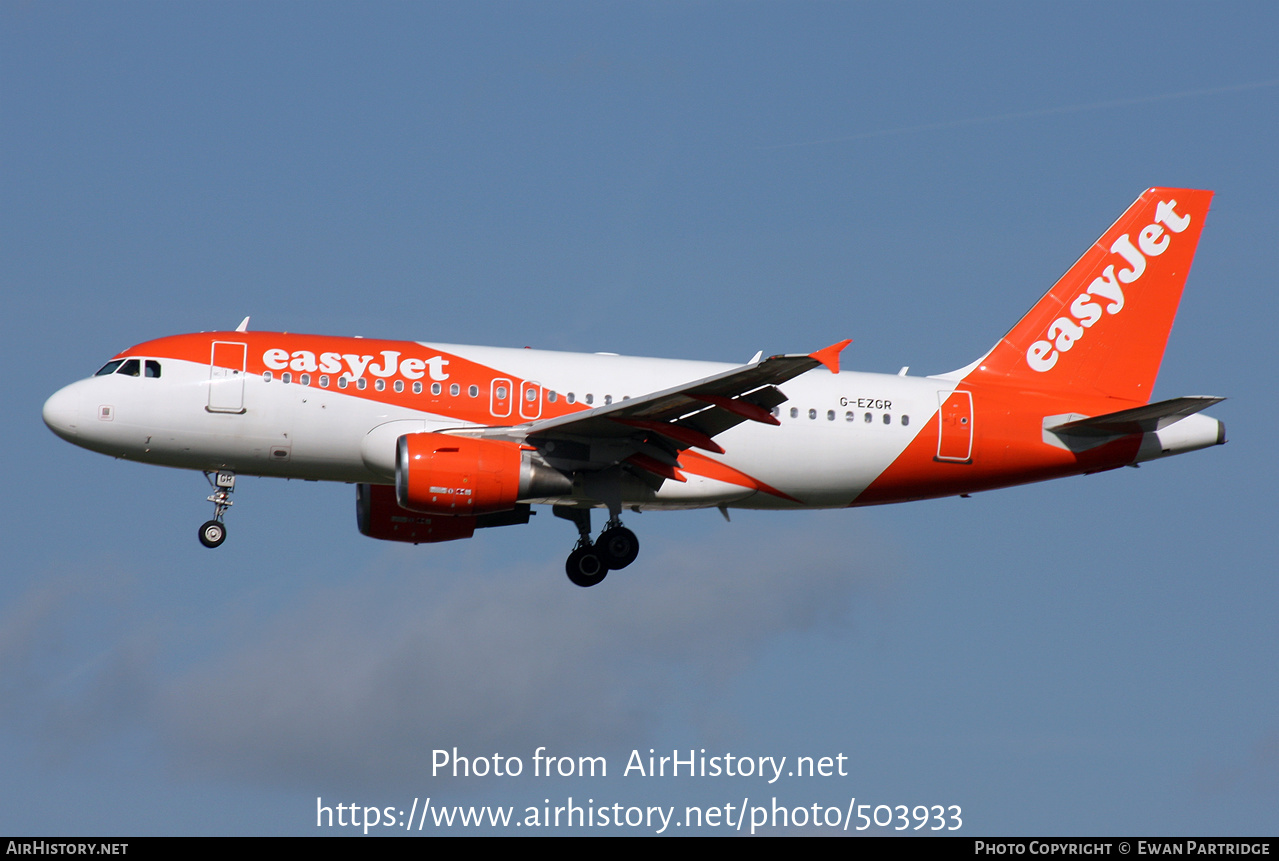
<point>1147,419</point>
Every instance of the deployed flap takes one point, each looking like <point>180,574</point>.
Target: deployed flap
<point>1147,419</point>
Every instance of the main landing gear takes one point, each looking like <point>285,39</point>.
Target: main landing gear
<point>590,561</point>
<point>213,532</point>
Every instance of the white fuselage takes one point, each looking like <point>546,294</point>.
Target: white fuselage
<point>838,432</point>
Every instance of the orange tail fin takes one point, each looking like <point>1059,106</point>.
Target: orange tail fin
<point>1103,326</point>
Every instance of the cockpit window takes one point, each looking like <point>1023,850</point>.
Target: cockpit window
<point>153,368</point>
<point>109,368</point>
<point>131,368</point>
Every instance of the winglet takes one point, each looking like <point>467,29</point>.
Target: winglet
<point>829,356</point>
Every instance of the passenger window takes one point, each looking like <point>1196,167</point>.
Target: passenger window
<point>848,416</point>
<point>305,379</point>
<point>473,391</point>
<point>341,381</point>
<point>417,387</point>
<point>131,368</point>
<point>324,381</point>
<point>868,418</point>
<point>530,395</point>
<point>812,414</point>
<point>501,393</point>
<point>361,383</point>
<point>551,397</point>
<point>153,369</point>
<point>436,388</point>
<point>888,419</point>
<point>266,376</point>
<point>379,384</point>
<point>286,377</point>
<point>455,390</point>
<point>830,415</point>
<point>109,368</point>
<point>571,398</point>
<point>905,420</point>
<point>608,399</point>
<point>794,412</point>
<point>399,385</point>
<point>590,399</point>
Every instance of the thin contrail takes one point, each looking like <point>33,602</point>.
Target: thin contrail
<point>1042,112</point>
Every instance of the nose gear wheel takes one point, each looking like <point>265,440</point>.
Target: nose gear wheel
<point>213,532</point>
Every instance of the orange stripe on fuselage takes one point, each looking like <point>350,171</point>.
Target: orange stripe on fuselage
<point>700,464</point>
<point>305,354</point>
<point>1008,448</point>
<point>197,348</point>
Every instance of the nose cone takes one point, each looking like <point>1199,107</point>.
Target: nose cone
<point>62,412</point>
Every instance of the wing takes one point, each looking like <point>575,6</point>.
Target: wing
<point>649,431</point>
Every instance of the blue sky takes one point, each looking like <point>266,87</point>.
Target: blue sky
<point>1089,656</point>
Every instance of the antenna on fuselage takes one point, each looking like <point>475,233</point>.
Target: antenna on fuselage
<point>244,325</point>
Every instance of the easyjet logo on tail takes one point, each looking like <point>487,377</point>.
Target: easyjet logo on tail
<point>1086,309</point>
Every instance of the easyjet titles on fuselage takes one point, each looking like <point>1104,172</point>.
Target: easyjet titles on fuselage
<point>306,361</point>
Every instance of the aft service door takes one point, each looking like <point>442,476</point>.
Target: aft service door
<point>226,377</point>
<point>955,427</point>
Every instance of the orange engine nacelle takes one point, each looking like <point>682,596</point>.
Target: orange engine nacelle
<point>463,477</point>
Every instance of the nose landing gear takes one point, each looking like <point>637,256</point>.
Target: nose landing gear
<point>213,532</point>
<point>590,561</point>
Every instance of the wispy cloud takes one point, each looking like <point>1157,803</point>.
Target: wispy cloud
<point>70,672</point>
<point>360,684</point>
<point>1039,112</point>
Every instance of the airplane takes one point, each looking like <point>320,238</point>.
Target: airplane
<point>441,440</point>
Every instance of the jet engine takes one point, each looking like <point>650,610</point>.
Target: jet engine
<point>464,476</point>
